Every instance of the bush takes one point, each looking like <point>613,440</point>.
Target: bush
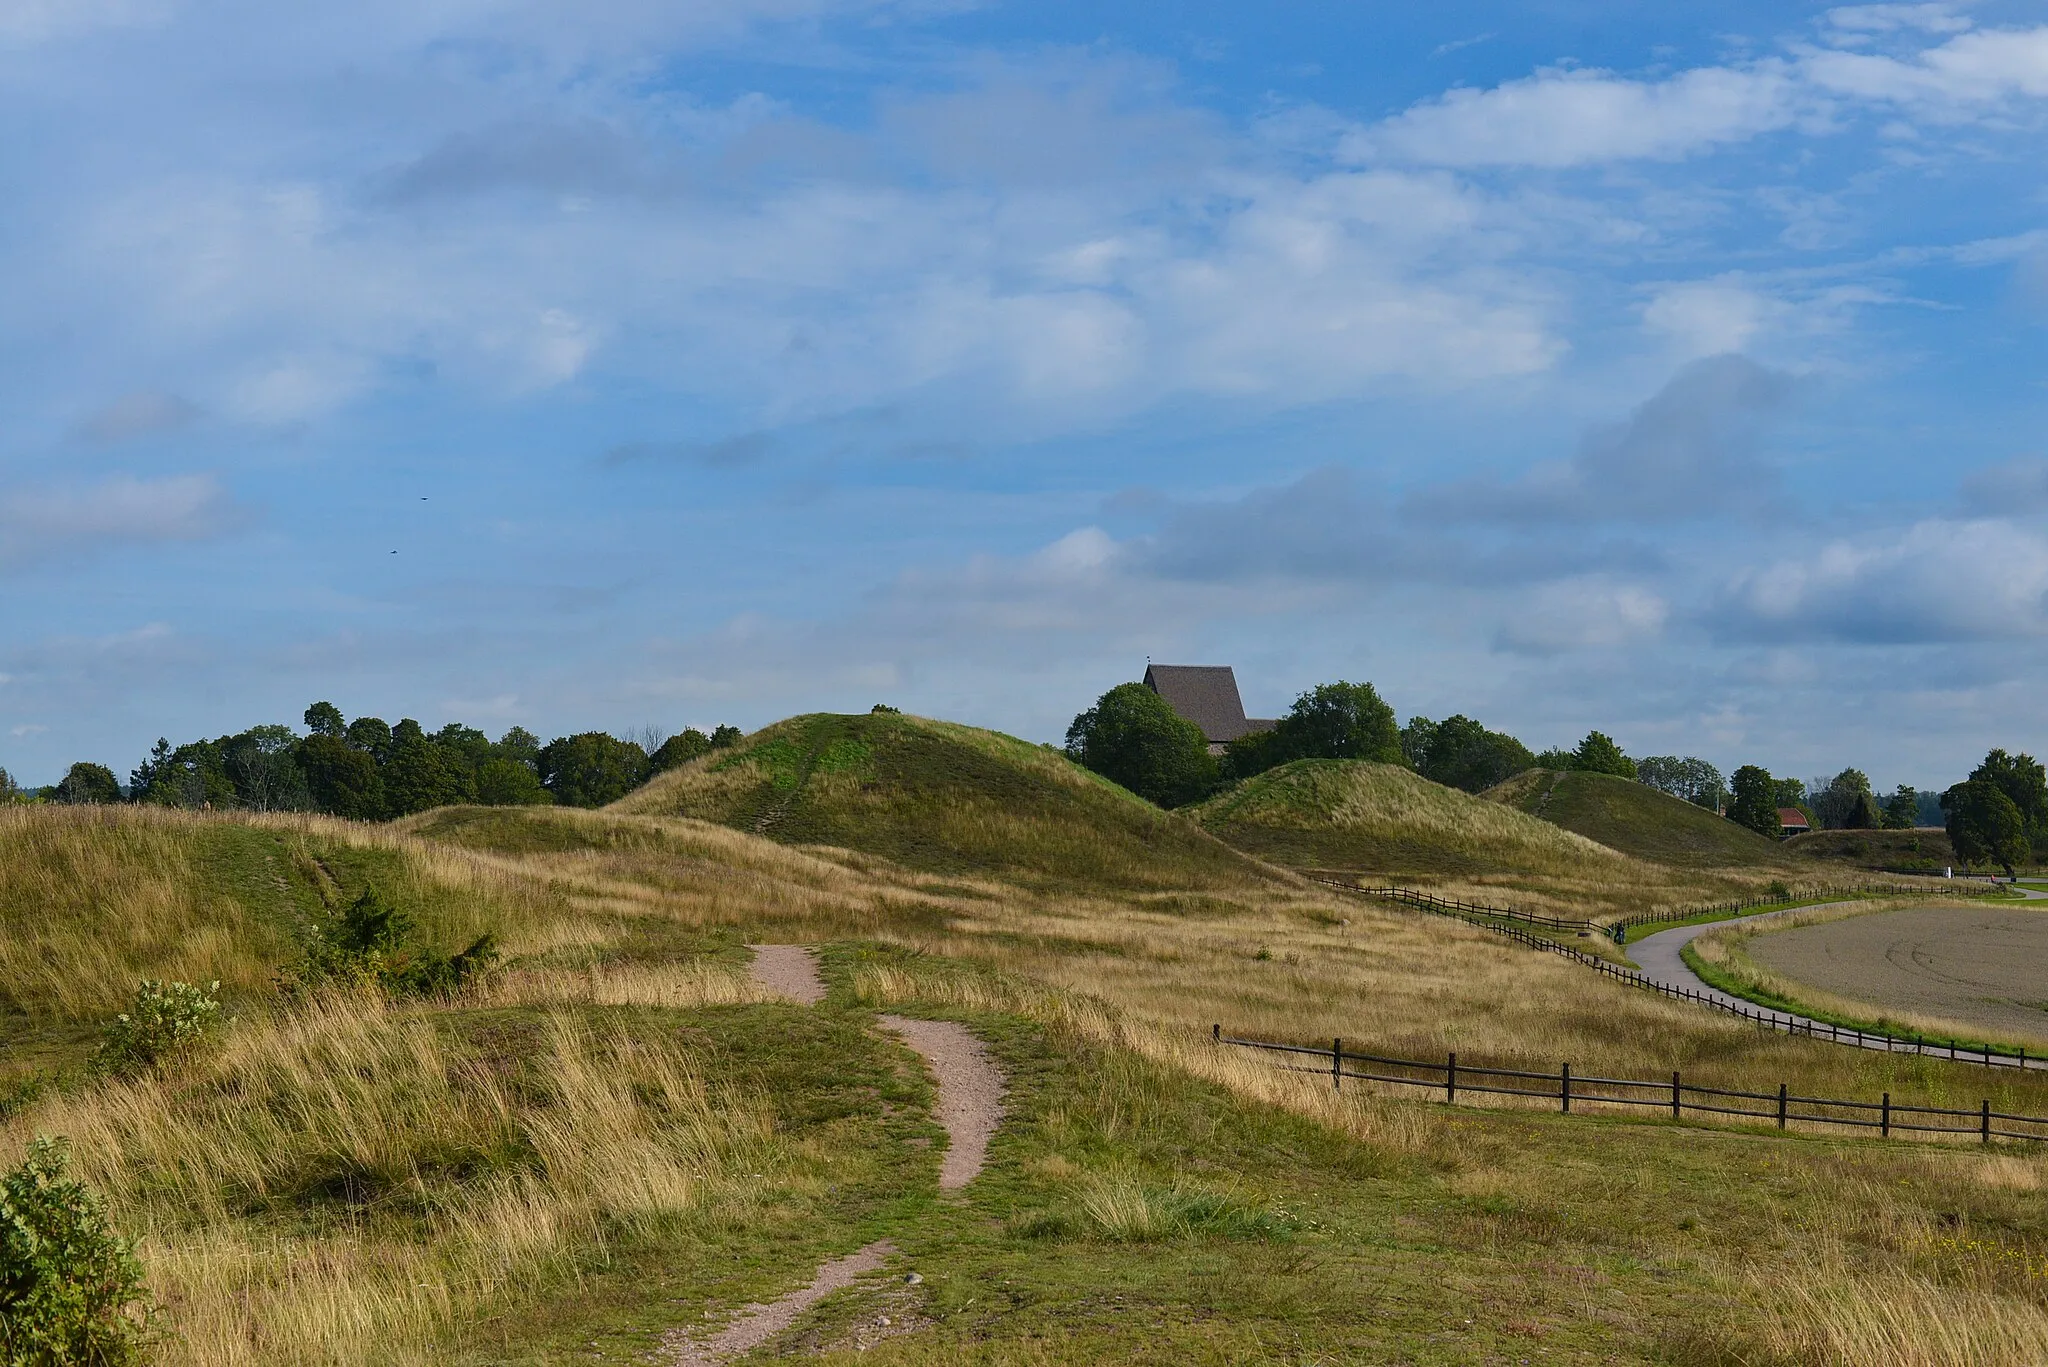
<point>167,1020</point>
<point>70,1287</point>
<point>374,944</point>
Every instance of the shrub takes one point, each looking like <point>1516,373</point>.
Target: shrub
<point>167,1020</point>
<point>70,1287</point>
<point>375,944</point>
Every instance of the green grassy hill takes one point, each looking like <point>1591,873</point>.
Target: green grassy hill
<point>1629,817</point>
<point>1883,851</point>
<point>943,798</point>
<point>1381,818</point>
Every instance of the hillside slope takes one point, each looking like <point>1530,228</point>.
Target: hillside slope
<point>943,798</point>
<point>1381,818</point>
<point>1637,820</point>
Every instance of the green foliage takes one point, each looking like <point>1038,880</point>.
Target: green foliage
<point>10,791</point>
<point>89,785</point>
<point>723,737</point>
<point>2024,783</point>
<point>1902,809</point>
<point>1691,779</point>
<point>1755,801</point>
<point>375,944</point>
<point>70,1287</point>
<point>1845,803</point>
<point>325,719</point>
<point>882,709</point>
<point>504,782</point>
<point>1460,753</point>
<point>676,750</point>
<point>1132,736</point>
<point>1985,825</point>
<point>421,774</point>
<point>591,769</point>
<point>1598,754</point>
<point>1339,720</point>
<point>342,779</point>
<point>165,1022</point>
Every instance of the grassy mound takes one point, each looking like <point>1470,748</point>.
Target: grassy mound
<point>1629,817</point>
<point>1348,814</point>
<point>1926,851</point>
<point>942,798</point>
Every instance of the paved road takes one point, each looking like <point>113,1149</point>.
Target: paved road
<point>1660,957</point>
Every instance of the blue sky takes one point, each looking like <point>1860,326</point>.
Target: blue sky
<point>1675,369</point>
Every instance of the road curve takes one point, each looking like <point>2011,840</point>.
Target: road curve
<point>1661,957</point>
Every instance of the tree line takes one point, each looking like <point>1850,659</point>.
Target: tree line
<point>368,770</point>
<point>1133,736</point>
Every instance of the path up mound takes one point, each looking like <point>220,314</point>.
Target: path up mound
<point>943,798</point>
<point>1381,818</point>
<point>1628,816</point>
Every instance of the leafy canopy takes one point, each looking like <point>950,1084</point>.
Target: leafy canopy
<point>70,1286</point>
<point>1132,736</point>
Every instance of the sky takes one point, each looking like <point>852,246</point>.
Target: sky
<point>1670,368</point>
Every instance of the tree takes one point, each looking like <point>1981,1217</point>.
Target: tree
<point>153,780</point>
<point>263,765</point>
<point>344,781</point>
<point>1554,758</point>
<point>89,784</point>
<point>10,791</point>
<point>502,782</point>
<point>324,719</point>
<point>1755,801</point>
<point>371,736</point>
<point>520,744</point>
<point>1598,754</point>
<point>421,774</point>
<point>1460,753</point>
<point>1845,802</point>
<point>2024,783</point>
<point>1341,720</point>
<point>1902,810</point>
<point>680,750</point>
<point>1985,824</point>
<point>723,737</point>
<point>1134,737</point>
<point>1691,778</point>
<point>591,769</point>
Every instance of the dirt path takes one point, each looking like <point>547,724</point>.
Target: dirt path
<point>756,1324</point>
<point>970,1093</point>
<point>789,970</point>
<point>970,1106</point>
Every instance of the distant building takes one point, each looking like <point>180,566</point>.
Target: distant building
<point>1794,821</point>
<point>1207,696</point>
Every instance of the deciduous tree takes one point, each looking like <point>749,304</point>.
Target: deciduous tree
<point>591,769</point>
<point>1598,754</point>
<point>1984,824</point>
<point>1755,801</point>
<point>1134,737</point>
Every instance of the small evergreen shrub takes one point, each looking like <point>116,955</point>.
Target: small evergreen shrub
<point>70,1287</point>
<point>375,944</point>
<point>166,1021</point>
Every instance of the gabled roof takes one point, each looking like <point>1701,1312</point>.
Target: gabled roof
<point>1792,816</point>
<point>1207,696</point>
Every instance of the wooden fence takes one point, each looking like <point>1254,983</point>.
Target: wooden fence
<point>1675,1097</point>
<point>1988,1056</point>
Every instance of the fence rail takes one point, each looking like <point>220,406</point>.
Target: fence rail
<point>1988,1056</point>
<point>1782,1107</point>
<point>1621,928</point>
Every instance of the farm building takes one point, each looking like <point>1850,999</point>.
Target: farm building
<point>1794,821</point>
<point>1207,696</point>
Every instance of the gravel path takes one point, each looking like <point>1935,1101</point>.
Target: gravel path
<point>756,1324</point>
<point>790,971</point>
<point>1660,957</point>
<point>970,1092</point>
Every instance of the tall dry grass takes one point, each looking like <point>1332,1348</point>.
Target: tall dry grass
<point>344,1184</point>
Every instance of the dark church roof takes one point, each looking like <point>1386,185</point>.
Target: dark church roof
<point>1207,696</point>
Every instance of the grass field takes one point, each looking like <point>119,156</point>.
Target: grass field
<point>1637,820</point>
<point>618,1136</point>
<point>1917,851</point>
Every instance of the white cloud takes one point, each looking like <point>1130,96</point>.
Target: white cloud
<point>1938,580</point>
<point>27,22</point>
<point>1983,67</point>
<point>50,522</point>
<point>1708,317</point>
<point>1576,118</point>
<point>1892,18</point>
<point>1583,614</point>
<point>26,729</point>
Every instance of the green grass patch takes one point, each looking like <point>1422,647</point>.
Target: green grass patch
<point>1638,820</point>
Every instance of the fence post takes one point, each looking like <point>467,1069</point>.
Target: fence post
<point>2023,1058</point>
<point>1216,1033</point>
<point>1674,1094</point>
<point>1884,1127</point>
<point>1337,1063</point>
<point>1984,1123</point>
<point>1451,1079</point>
<point>1781,1105</point>
<point>1564,1088</point>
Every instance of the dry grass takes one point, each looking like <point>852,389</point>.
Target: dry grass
<point>353,1109</point>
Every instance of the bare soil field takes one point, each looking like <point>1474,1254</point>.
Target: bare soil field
<point>1981,965</point>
